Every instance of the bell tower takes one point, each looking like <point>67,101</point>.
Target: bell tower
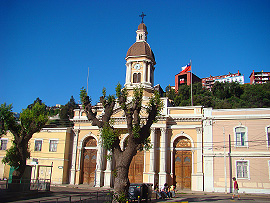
<point>140,62</point>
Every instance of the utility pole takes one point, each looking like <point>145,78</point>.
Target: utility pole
<point>225,165</point>
<point>230,162</point>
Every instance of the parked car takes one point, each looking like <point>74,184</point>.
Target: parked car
<point>139,191</point>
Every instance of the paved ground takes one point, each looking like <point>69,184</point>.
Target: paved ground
<point>63,193</point>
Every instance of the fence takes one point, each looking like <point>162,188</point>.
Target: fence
<point>92,197</point>
<point>26,185</point>
<point>36,191</point>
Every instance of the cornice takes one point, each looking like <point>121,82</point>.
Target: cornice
<point>238,117</point>
<point>238,154</point>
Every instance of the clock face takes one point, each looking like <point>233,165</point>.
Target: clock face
<point>137,66</point>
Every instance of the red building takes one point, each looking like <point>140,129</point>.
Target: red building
<point>185,78</point>
<point>259,77</point>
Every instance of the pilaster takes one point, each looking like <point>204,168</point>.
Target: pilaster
<point>152,170</point>
<point>163,155</point>
<point>108,171</point>
<point>199,174</point>
<point>74,157</point>
<point>99,172</point>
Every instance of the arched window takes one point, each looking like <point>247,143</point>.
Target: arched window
<point>136,77</point>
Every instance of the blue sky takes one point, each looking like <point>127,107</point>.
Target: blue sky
<point>47,46</point>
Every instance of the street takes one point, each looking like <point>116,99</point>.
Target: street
<point>84,193</point>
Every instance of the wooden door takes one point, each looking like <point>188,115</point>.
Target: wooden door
<point>89,166</point>
<point>135,173</point>
<point>183,166</point>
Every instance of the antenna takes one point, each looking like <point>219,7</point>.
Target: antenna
<point>87,81</point>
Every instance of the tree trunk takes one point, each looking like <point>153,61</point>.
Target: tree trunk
<point>121,184</point>
<point>22,153</point>
<point>18,173</point>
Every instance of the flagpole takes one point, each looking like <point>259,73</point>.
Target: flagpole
<point>191,98</point>
<point>87,80</point>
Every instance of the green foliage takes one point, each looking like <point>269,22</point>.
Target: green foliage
<point>34,118</point>
<point>146,145</point>
<point>170,92</point>
<point>38,100</point>
<point>6,118</point>
<point>121,198</point>
<point>67,111</point>
<point>136,130</point>
<point>85,99</point>
<point>155,102</point>
<point>224,95</point>
<point>31,120</point>
<point>109,136</point>
<point>12,156</point>
<point>138,94</point>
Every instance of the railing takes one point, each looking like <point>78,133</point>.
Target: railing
<point>26,185</point>
<point>92,197</point>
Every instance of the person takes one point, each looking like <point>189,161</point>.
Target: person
<point>156,190</point>
<point>172,190</point>
<point>165,190</point>
<point>235,188</point>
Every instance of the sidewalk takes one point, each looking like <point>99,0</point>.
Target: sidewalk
<point>194,196</point>
<point>65,190</point>
<point>190,196</point>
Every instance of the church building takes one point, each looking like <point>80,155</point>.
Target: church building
<point>176,153</point>
<point>195,148</point>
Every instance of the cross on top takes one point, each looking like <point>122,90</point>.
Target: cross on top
<point>142,16</point>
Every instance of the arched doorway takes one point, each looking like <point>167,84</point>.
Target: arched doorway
<point>182,163</point>
<point>89,161</point>
<point>135,174</point>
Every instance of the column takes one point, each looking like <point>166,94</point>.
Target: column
<point>197,178</point>
<point>152,171</point>
<point>78,170</point>
<point>199,160</point>
<point>172,164</point>
<point>149,72</point>
<point>128,73</point>
<point>163,155</point>
<point>99,172</point>
<point>108,171</point>
<point>74,158</point>
<point>144,71</point>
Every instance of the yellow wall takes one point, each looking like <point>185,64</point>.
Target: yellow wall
<point>60,159</point>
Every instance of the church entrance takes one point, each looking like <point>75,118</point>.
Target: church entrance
<point>182,164</point>
<point>89,161</point>
<point>135,173</point>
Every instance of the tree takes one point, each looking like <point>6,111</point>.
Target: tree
<point>66,112</point>
<point>31,121</point>
<point>138,131</point>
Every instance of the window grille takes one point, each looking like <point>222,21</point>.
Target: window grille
<point>38,145</point>
<point>3,145</point>
<point>242,169</point>
<point>240,136</point>
<point>53,145</point>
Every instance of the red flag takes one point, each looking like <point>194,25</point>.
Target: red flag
<point>186,68</point>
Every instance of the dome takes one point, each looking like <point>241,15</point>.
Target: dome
<point>140,49</point>
<point>142,26</point>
